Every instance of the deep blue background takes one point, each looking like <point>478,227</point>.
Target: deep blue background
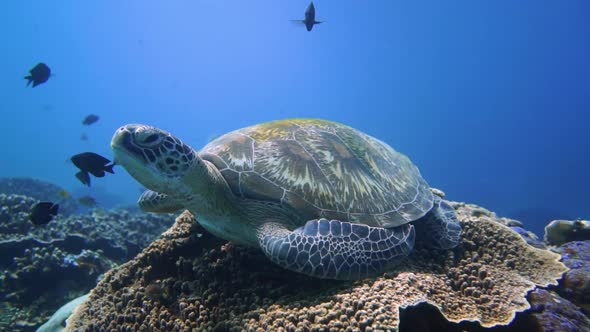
<point>491,99</point>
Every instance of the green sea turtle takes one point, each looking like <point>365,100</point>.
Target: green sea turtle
<point>317,197</point>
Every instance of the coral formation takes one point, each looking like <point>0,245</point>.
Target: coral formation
<point>549,312</point>
<point>559,232</point>
<point>530,237</point>
<point>466,211</point>
<point>575,285</point>
<point>118,233</point>
<point>190,280</point>
<point>43,267</point>
<point>39,190</point>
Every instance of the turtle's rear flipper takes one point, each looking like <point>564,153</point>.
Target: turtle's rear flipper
<point>440,227</point>
<point>334,249</point>
<point>151,201</point>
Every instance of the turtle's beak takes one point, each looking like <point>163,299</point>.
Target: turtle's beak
<point>116,144</point>
<point>131,156</point>
<point>151,155</point>
<point>123,146</point>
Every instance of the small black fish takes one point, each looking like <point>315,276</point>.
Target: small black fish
<point>309,20</point>
<point>43,212</point>
<point>90,162</point>
<point>39,74</point>
<point>90,119</point>
<point>83,137</point>
<point>84,177</point>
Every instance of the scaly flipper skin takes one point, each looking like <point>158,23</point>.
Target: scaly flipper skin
<point>440,227</point>
<point>334,249</point>
<point>151,201</point>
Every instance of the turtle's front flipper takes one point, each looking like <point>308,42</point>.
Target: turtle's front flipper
<point>151,201</point>
<point>440,227</point>
<point>335,249</point>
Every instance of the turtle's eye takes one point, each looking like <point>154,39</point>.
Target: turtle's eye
<point>148,137</point>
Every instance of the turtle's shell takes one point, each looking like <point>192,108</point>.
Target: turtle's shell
<point>321,169</point>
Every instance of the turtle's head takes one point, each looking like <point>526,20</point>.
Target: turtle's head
<point>153,157</point>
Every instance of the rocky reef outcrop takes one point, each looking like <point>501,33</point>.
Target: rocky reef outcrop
<point>558,232</point>
<point>42,267</point>
<point>189,280</point>
<point>550,312</point>
<point>575,285</point>
<point>40,190</point>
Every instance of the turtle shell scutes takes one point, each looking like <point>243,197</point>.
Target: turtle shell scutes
<point>326,167</point>
<point>231,151</point>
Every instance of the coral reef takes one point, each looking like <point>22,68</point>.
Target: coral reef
<point>575,285</point>
<point>41,267</point>
<point>559,232</point>
<point>190,280</point>
<point>530,237</point>
<point>535,217</point>
<point>466,211</point>
<point>549,312</point>
<point>40,190</point>
<point>119,233</point>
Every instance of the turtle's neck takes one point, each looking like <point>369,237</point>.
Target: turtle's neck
<point>205,190</point>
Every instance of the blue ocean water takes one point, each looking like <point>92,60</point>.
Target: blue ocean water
<point>490,99</point>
